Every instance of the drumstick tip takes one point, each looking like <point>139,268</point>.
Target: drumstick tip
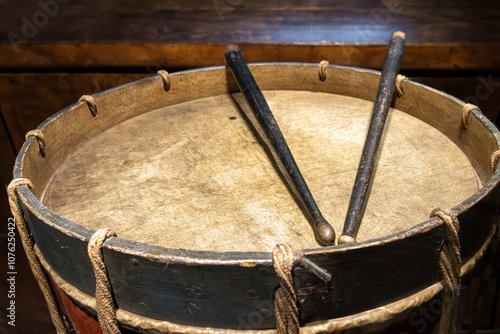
<point>346,239</point>
<point>325,233</point>
<point>231,48</point>
<point>399,34</point>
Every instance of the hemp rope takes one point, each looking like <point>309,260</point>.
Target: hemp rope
<point>39,138</point>
<point>285,299</point>
<point>400,80</point>
<point>322,69</point>
<point>450,263</point>
<point>106,311</point>
<point>33,260</point>
<point>495,156</point>
<point>90,102</point>
<point>466,110</point>
<point>166,79</point>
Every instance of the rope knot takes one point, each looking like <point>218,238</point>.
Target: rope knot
<point>285,299</point>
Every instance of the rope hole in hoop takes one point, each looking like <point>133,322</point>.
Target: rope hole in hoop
<point>39,138</point>
<point>323,65</point>
<point>166,79</point>
<point>466,110</point>
<point>90,103</point>
<point>400,80</point>
<point>495,157</point>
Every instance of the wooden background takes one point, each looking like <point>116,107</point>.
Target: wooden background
<point>54,51</point>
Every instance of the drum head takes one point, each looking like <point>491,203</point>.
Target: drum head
<point>194,175</point>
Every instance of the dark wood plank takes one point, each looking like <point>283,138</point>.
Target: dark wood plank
<point>491,313</point>
<point>63,56</point>
<point>488,291</point>
<point>209,22</point>
<point>444,35</point>
<point>27,100</point>
<point>496,310</point>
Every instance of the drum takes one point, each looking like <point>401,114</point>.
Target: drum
<point>172,167</point>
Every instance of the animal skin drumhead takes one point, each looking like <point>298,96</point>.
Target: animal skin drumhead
<point>195,176</point>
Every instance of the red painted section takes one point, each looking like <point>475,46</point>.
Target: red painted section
<point>82,323</point>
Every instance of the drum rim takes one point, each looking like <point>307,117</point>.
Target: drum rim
<point>191,256</point>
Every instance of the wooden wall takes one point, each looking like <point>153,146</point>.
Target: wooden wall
<point>54,51</point>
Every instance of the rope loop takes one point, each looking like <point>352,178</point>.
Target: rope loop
<point>400,80</point>
<point>106,311</point>
<point>466,110</point>
<point>495,157</point>
<point>39,138</point>
<point>323,65</point>
<point>28,245</point>
<point>285,299</point>
<point>450,263</point>
<point>166,79</point>
<point>90,102</point>
<point>13,196</point>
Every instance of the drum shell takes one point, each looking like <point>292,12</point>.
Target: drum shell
<point>168,281</point>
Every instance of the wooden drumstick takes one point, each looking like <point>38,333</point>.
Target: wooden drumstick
<point>361,189</point>
<point>266,126</point>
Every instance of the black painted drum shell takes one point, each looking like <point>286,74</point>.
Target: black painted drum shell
<point>227,287</point>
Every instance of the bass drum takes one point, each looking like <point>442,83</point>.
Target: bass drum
<point>170,164</point>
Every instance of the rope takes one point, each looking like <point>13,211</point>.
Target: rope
<point>33,260</point>
<point>466,110</point>
<point>322,69</point>
<point>400,80</point>
<point>285,299</point>
<point>450,263</point>
<point>39,138</point>
<point>106,311</point>
<point>495,157</point>
<point>90,103</point>
<point>494,160</point>
<point>166,79</point>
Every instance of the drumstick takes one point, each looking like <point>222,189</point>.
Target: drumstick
<point>267,128</point>
<point>361,189</point>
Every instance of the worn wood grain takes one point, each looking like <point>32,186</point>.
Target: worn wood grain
<point>445,35</point>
